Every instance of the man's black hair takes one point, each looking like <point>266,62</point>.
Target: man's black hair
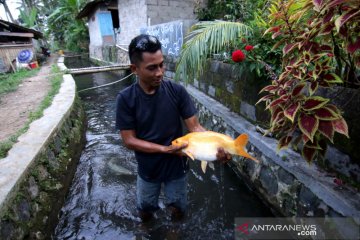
<point>142,43</point>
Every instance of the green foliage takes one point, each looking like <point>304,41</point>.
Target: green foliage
<point>29,19</point>
<point>228,10</point>
<point>57,20</point>
<point>318,47</point>
<point>56,81</point>
<point>206,38</point>
<point>68,31</point>
<point>262,61</point>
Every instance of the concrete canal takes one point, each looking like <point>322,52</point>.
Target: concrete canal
<point>101,201</point>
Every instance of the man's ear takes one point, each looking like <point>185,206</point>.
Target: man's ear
<point>133,68</point>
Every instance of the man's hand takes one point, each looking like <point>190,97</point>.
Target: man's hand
<point>175,149</point>
<point>223,156</point>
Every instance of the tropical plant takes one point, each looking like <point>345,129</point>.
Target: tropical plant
<point>260,60</point>
<point>28,19</point>
<point>320,41</point>
<point>65,28</point>
<point>206,38</point>
<point>228,10</point>
<point>263,61</point>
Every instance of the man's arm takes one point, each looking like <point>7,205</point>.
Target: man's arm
<point>193,125</point>
<point>134,143</point>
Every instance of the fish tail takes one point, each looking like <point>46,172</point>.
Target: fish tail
<point>240,143</point>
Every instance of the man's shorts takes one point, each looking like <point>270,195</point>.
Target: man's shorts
<point>175,191</point>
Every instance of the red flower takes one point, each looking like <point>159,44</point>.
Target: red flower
<point>238,56</point>
<point>249,48</point>
<point>330,54</point>
<point>275,29</point>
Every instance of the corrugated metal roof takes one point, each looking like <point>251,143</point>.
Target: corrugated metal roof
<point>12,27</point>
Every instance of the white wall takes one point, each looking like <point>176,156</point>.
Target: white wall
<point>136,14</point>
<point>132,16</point>
<point>94,30</point>
<point>162,11</point>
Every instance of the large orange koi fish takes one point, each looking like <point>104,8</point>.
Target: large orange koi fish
<point>204,146</point>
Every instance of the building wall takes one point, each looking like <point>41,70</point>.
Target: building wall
<point>94,30</point>
<point>161,11</point>
<point>8,53</point>
<point>132,16</point>
<point>101,32</point>
<point>138,14</point>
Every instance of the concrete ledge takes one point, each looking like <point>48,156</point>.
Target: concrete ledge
<point>23,153</point>
<point>61,64</point>
<point>342,201</point>
<point>37,172</point>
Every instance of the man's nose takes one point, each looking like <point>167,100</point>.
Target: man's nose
<point>159,71</point>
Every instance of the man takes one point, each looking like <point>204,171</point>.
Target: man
<point>148,115</point>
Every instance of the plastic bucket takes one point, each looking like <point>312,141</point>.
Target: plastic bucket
<point>34,64</point>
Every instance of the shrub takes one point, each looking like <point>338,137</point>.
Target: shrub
<point>320,43</point>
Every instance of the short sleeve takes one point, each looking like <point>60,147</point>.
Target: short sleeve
<point>125,119</point>
<point>186,105</point>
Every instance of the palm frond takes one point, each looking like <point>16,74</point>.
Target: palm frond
<point>204,39</point>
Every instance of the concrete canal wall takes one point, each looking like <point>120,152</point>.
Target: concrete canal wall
<point>36,174</point>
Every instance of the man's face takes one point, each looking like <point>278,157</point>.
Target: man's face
<point>151,69</point>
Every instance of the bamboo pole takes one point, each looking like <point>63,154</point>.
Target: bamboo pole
<point>98,69</point>
<point>11,64</point>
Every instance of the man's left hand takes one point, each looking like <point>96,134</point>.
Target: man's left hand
<point>223,156</point>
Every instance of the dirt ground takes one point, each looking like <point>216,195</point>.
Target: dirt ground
<point>16,106</point>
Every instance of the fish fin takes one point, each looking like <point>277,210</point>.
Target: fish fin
<point>211,165</point>
<point>188,153</point>
<point>240,143</point>
<point>203,165</point>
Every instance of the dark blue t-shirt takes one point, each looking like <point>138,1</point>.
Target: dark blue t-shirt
<point>156,118</point>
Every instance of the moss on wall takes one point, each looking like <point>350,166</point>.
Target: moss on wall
<point>32,213</point>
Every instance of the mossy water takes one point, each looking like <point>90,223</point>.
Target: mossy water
<point>101,201</point>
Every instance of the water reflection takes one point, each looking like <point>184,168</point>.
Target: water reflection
<point>101,201</point>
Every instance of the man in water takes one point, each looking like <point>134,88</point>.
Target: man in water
<point>148,115</point>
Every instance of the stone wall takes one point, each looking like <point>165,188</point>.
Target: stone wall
<point>283,180</point>
<point>36,174</point>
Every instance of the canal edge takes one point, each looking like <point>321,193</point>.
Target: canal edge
<point>37,172</point>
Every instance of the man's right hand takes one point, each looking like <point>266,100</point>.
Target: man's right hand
<point>175,149</point>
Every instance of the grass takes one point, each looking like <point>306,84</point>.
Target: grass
<point>55,81</point>
<point>10,82</point>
